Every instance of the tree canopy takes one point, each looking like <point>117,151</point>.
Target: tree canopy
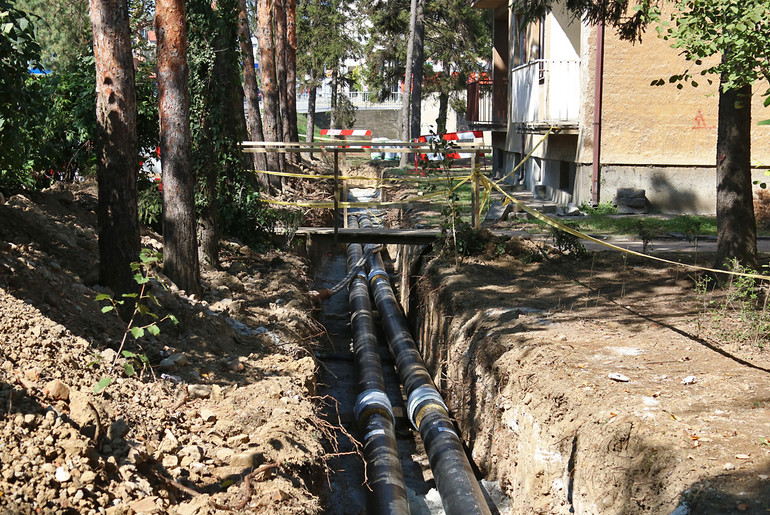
<point>705,29</point>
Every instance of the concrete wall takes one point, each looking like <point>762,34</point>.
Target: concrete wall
<point>383,123</point>
<point>670,189</point>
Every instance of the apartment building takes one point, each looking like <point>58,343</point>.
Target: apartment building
<point>609,127</point>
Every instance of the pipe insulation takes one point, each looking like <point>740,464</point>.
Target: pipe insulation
<point>456,483</point>
<point>373,410</point>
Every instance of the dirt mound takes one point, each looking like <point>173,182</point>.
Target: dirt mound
<point>598,386</point>
<point>222,421</point>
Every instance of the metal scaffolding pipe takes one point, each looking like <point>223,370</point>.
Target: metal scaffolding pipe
<point>455,480</point>
<point>373,410</point>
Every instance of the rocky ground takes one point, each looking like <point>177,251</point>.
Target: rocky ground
<point>212,415</point>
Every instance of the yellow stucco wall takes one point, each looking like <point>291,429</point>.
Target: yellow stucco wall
<point>662,125</point>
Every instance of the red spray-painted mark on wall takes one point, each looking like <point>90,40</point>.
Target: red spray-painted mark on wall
<point>700,122</point>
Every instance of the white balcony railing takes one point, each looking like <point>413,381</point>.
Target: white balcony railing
<point>546,92</point>
<point>360,99</point>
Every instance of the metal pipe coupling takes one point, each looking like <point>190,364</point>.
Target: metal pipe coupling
<point>373,401</point>
<point>421,397</point>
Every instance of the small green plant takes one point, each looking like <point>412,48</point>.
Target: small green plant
<point>740,315</point>
<point>450,216</point>
<point>645,234</point>
<point>604,208</point>
<point>150,205</point>
<point>567,242</point>
<point>135,360</point>
<point>141,303</point>
<point>291,220</point>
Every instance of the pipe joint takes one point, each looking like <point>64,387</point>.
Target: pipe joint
<point>376,272</point>
<point>370,401</point>
<point>360,313</point>
<point>420,398</point>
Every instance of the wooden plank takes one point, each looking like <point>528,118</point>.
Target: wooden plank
<point>383,235</point>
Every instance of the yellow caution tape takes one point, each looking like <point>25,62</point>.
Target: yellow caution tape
<point>489,185</point>
<point>554,223</point>
<point>526,157</point>
<point>359,177</point>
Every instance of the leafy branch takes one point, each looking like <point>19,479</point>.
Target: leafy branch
<point>142,302</point>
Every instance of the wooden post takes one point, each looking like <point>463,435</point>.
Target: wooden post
<point>344,198</point>
<point>336,193</point>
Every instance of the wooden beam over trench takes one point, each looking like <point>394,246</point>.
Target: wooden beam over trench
<point>394,236</point>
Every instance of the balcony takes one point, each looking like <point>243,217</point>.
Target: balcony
<point>360,99</point>
<point>545,93</point>
<point>483,110</point>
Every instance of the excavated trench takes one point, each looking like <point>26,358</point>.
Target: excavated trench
<point>526,368</point>
<point>518,434</point>
<point>348,491</point>
<point>517,425</point>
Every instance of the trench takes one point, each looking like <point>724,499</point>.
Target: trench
<point>345,487</point>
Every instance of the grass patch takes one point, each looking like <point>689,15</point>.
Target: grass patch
<point>688,225</point>
<point>302,127</point>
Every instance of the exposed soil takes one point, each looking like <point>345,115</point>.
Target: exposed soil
<point>225,420</point>
<point>600,385</point>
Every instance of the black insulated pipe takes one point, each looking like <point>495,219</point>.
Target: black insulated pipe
<point>456,483</point>
<point>373,410</point>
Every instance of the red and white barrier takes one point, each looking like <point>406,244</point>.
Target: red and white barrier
<point>364,133</point>
<point>346,133</point>
<point>450,136</point>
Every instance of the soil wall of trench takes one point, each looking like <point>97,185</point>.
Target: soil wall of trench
<point>523,427</point>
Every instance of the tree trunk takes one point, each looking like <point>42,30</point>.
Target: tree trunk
<point>736,225</point>
<point>180,246</point>
<point>116,145</point>
<point>208,220</point>
<point>311,99</point>
<point>443,108</point>
<point>251,91</point>
<point>407,94</point>
<point>291,70</point>
<point>228,127</point>
<point>310,126</point>
<point>270,100</point>
<point>281,49</point>
<point>418,58</point>
<point>333,106</point>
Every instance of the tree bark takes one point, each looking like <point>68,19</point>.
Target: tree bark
<point>311,100</point>
<point>310,125</point>
<point>251,91</point>
<point>407,94</point>
<point>443,108</point>
<point>180,247</point>
<point>270,100</point>
<point>291,70</point>
<point>736,225</point>
<point>418,58</point>
<point>281,49</point>
<point>116,145</point>
<point>333,106</point>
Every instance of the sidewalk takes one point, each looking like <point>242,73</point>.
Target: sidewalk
<point>707,244</point>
